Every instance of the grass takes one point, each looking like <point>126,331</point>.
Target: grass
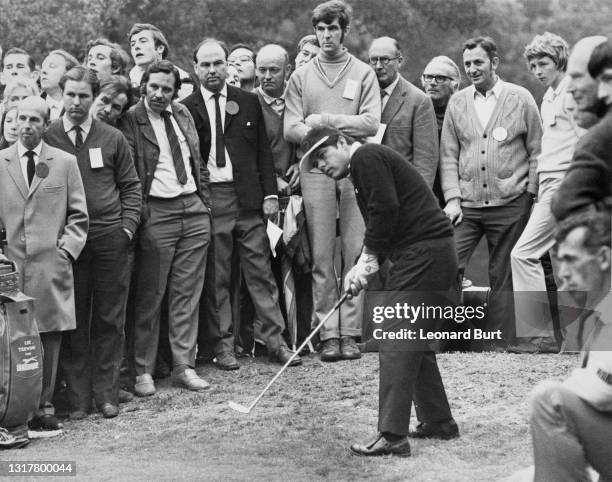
<point>302,427</point>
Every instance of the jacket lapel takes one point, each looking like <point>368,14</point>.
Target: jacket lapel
<point>143,120</point>
<point>14,170</point>
<point>44,157</point>
<point>394,104</point>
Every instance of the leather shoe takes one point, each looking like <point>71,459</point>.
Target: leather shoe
<point>190,380</point>
<point>534,345</point>
<point>124,396</point>
<point>439,430</point>
<point>10,441</point>
<point>226,361</point>
<point>282,356</point>
<point>45,422</point>
<point>331,350</point>
<point>381,446</point>
<point>77,415</point>
<point>144,386</point>
<point>349,349</point>
<point>109,410</point>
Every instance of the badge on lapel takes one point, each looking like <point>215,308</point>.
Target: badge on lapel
<point>232,107</point>
<point>42,170</point>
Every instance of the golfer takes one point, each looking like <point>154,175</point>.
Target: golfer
<point>404,225</point>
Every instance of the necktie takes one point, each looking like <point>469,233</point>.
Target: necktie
<point>220,146</point>
<point>175,147</point>
<point>383,94</point>
<point>78,137</point>
<point>30,166</point>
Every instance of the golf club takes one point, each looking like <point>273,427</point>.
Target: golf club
<point>242,408</point>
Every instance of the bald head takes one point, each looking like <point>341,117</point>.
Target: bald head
<point>272,69</point>
<point>385,59</point>
<point>582,86</point>
<point>32,117</point>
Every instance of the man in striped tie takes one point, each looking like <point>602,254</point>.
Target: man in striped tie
<point>175,231</point>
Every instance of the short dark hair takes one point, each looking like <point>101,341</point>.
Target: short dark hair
<point>210,40</point>
<point>119,57</point>
<point>71,60</point>
<point>164,67</point>
<point>158,37</point>
<point>116,85</point>
<point>18,51</point>
<point>486,43</point>
<point>595,218</point>
<point>601,59</point>
<point>80,73</point>
<point>328,11</point>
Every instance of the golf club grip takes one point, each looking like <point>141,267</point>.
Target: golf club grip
<point>300,348</point>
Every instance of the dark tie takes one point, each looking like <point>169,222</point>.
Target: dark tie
<point>220,146</point>
<point>175,147</point>
<point>30,167</point>
<point>78,137</point>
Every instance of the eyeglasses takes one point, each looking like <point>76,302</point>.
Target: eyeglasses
<point>440,79</point>
<point>382,60</point>
<point>242,58</point>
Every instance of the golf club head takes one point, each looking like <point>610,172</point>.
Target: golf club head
<point>238,407</point>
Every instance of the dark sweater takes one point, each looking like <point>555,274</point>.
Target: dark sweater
<point>113,192</point>
<point>398,207</point>
<point>283,152</point>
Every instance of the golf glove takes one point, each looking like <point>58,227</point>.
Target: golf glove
<point>356,278</point>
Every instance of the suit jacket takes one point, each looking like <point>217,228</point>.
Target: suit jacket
<point>412,128</point>
<point>246,143</point>
<point>43,223</point>
<point>138,131</point>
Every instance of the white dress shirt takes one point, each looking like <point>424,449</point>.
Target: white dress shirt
<point>165,182</point>
<point>485,104</point>
<point>69,128</point>
<point>389,90</point>
<point>55,107</point>
<point>217,174</point>
<point>23,159</point>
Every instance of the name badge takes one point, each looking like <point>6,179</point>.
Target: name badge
<point>350,89</point>
<point>95,158</point>
<point>500,134</point>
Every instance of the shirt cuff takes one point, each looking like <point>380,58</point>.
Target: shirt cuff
<point>271,196</point>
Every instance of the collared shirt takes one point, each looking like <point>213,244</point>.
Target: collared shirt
<point>217,174</point>
<point>55,107</point>
<point>23,159</point>
<point>276,103</point>
<point>165,183</point>
<point>69,128</point>
<point>485,104</point>
<point>560,133</point>
<point>389,90</point>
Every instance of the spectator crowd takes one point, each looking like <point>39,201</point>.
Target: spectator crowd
<point>137,200</point>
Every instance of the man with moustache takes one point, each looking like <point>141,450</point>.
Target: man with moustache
<point>407,112</point>
<point>232,134</point>
<point>43,208</point>
<point>91,355</point>
<point>174,235</point>
<point>490,141</point>
<point>338,90</point>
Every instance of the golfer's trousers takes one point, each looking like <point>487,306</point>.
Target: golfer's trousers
<point>568,434</point>
<point>411,374</point>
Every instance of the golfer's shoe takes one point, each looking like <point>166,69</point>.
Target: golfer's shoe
<point>282,356</point>
<point>381,446</point>
<point>9,441</point>
<point>331,350</point>
<point>190,380</point>
<point>46,421</point>
<point>226,361</point>
<point>440,430</point>
<point>144,386</point>
<point>349,349</point>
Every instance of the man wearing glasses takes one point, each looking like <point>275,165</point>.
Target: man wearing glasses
<point>407,113</point>
<point>440,80</point>
<point>242,58</point>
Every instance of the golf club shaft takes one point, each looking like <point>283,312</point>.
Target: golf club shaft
<point>300,348</point>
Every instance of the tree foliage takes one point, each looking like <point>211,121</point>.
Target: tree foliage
<point>423,28</point>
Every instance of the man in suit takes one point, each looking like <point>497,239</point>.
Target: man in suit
<point>175,231</point>
<point>407,113</point>
<point>406,226</point>
<point>233,139</point>
<point>91,354</point>
<point>42,206</point>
